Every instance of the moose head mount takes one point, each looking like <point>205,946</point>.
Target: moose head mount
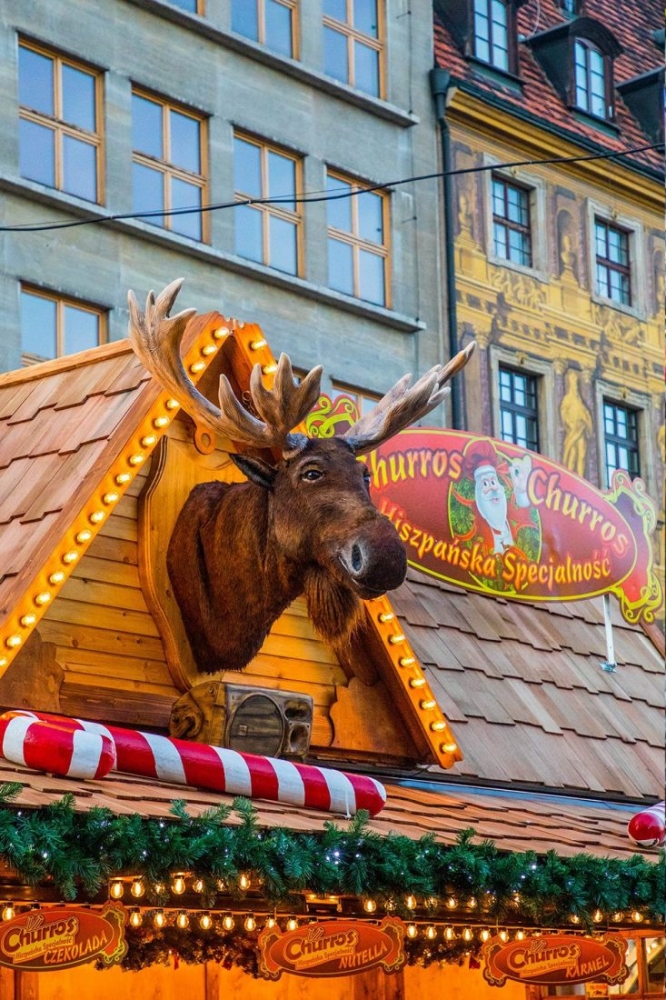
<point>240,553</point>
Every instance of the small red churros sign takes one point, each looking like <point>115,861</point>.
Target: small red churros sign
<point>556,959</point>
<point>62,937</point>
<point>332,948</point>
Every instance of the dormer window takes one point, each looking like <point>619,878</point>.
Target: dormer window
<point>491,32</point>
<point>577,57</point>
<point>590,78</point>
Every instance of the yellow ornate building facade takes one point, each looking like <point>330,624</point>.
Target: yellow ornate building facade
<point>559,257</point>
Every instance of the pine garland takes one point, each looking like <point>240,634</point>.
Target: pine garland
<point>79,852</point>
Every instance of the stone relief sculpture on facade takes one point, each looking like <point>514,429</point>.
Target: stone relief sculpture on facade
<point>577,423</point>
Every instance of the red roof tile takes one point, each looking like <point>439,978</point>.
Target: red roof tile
<point>632,24</point>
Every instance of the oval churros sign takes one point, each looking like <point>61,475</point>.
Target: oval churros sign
<point>556,959</point>
<point>62,937</point>
<point>495,518</point>
<point>332,948</point>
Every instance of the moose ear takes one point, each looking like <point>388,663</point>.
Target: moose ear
<point>256,470</point>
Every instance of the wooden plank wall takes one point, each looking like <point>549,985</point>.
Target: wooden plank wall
<point>113,659</point>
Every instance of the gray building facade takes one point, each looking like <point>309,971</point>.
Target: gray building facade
<point>127,105</point>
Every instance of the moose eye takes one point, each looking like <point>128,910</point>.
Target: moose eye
<point>311,474</point>
<point>367,478</point>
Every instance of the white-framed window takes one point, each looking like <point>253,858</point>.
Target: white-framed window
<point>592,70</point>
<point>616,260</point>
<point>523,400</point>
<point>516,228</point>
<point>492,33</point>
<point>624,437</point>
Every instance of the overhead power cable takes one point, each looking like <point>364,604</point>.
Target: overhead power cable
<point>319,196</point>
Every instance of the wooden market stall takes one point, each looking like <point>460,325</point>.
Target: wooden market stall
<point>474,711</point>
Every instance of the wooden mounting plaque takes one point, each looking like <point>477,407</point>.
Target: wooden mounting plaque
<point>177,467</point>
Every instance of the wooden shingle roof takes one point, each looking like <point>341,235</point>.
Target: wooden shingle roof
<point>514,822</point>
<point>524,690</point>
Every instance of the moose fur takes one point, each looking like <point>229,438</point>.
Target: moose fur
<point>241,553</point>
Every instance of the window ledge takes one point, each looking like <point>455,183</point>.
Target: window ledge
<point>203,251</point>
<point>495,74</point>
<point>529,272</point>
<point>633,311</point>
<point>290,67</point>
<point>594,121</point>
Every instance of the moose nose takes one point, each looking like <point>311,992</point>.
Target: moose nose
<point>375,564</point>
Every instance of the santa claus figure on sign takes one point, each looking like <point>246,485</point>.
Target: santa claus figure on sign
<point>494,512</point>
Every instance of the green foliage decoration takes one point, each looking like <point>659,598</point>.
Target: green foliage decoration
<point>79,852</point>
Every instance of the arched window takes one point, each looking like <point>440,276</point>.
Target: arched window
<point>491,33</point>
<point>591,83</point>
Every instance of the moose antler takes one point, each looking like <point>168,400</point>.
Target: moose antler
<point>402,405</point>
<point>156,338</point>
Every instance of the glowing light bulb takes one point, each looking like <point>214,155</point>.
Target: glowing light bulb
<point>503,935</point>
<point>228,922</point>
<point>8,911</point>
<point>449,933</point>
<point>449,747</point>
<point>148,440</point>
<point>431,932</point>
<point>520,935</point>
<point>597,916</point>
<point>205,921</point>
<point>452,902</point>
<point>159,918</point>
<point>244,881</point>
<point>42,599</point>
<point>256,345</point>
<point>292,924</point>
<point>97,517</point>
<point>637,917</point>
<point>123,478</point>
<point>209,349</point>
<point>396,639</point>
<point>116,889</point>
<point>136,917</point>
<point>160,422</point>
<point>198,885</point>
<point>182,920</point>
<point>56,578</point>
<point>28,620</point>
<point>410,902</point>
<point>369,906</point>
<point>411,931</point>
<point>138,888</point>
<point>271,922</point>
<point>250,923</point>
<point>407,661</point>
<point>110,497</point>
<point>574,918</point>
<point>84,536</point>
<point>178,885</point>
<point>484,934</point>
<point>468,934</point>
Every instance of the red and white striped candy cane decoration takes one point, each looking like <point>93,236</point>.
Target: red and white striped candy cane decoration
<point>648,828</point>
<point>221,770</point>
<point>46,747</point>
